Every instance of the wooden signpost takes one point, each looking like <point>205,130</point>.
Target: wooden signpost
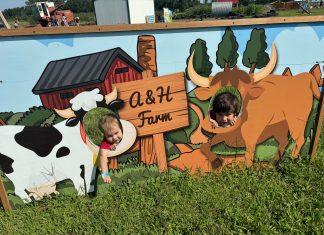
<point>154,106</point>
<point>4,197</point>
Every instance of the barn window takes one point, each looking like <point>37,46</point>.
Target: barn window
<point>66,95</point>
<point>121,70</point>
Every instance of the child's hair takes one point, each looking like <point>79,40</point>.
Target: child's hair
<point>225,103</point>
<point>107,121</point>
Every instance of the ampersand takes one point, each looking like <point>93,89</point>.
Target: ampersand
<point>149,97</point>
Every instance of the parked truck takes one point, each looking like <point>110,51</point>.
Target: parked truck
<point>46,13</point>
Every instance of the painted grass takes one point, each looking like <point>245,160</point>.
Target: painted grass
<point>267,200</point>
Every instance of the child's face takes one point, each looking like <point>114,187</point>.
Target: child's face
<point>114,135</point>
<point>225,119</point>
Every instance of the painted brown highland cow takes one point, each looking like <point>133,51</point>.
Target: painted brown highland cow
<point>272,106</point>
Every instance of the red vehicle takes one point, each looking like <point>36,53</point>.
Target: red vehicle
<point>47,13</point>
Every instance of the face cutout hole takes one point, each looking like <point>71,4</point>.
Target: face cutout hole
<point>225,107</point>
<point>92,127</point>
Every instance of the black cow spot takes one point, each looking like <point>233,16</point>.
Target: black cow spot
<point>62,152</point>
<point>6,164</point>
<point>82,171</point>
<point>40,140</point>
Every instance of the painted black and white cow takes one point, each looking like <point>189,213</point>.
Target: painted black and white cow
<point>35,156</point>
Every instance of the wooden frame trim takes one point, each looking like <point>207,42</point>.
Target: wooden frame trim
<point>157,26</point>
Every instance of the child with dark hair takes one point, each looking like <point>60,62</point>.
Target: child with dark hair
<point>224,111</point>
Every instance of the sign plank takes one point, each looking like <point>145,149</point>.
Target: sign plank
<point>155,105</point>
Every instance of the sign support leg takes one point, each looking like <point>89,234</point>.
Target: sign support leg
<point>4,197</point>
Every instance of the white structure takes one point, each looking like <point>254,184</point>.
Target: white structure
<point>205,1</point>
<point>110,12</point>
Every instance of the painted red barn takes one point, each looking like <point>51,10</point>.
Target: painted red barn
<point>64,79</point>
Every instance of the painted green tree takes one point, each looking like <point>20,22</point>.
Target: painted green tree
<point>254,55</point>
<point>226,55</point>
<point>201,61</point>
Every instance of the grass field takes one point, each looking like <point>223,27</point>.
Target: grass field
<point>295,12</point>
<point>268,200</point>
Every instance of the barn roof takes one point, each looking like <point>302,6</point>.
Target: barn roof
<point>80,70</point>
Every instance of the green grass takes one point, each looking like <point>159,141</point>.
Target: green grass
<point>287,199</point>
<point>295,12</point>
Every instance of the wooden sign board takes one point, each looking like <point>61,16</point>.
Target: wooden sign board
<point>155,105</point>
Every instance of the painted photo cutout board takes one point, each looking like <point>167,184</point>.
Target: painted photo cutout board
<point>162,87</point>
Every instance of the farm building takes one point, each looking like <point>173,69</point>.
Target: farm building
<point>63,79</point>
<point>123,11</point>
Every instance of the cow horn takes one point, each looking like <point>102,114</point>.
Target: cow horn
<point>194,76</point>
<point>270,66</point>
<point>111,96</point>
<point>65,113</point>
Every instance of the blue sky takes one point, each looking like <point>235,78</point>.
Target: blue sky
<point>4,4</point>
<point>299,46</point>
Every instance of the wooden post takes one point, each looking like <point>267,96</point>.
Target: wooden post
<point>319,128</point>
<point>159,146</point>
<point>153,147</point>
<point>4,197</point>
<point>146,57</point>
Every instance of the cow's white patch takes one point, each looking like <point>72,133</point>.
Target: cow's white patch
<point>32,171</point>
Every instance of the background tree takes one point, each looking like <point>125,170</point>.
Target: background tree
<point>226,55</point>
<point>180,5</point>
<point>77,6</point>
<point>254,55</point>
<point>201,61</point>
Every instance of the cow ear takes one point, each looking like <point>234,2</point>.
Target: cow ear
<point>116,104</point>
<point>255,92</point>
<point>72,122</point>
<point>202,93</point>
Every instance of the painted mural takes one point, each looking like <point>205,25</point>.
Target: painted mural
<point>163,86</point>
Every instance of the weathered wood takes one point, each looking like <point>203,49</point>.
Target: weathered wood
<point>4,197</point>
<point>159,26</point>
<point>155,105</point>
<point>318,129</point>
<point>159,147</point>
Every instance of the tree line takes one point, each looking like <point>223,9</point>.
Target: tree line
<point>254,56</point>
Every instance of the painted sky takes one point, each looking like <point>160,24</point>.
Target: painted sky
<point>299,47</point>
<point>5,4</point>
